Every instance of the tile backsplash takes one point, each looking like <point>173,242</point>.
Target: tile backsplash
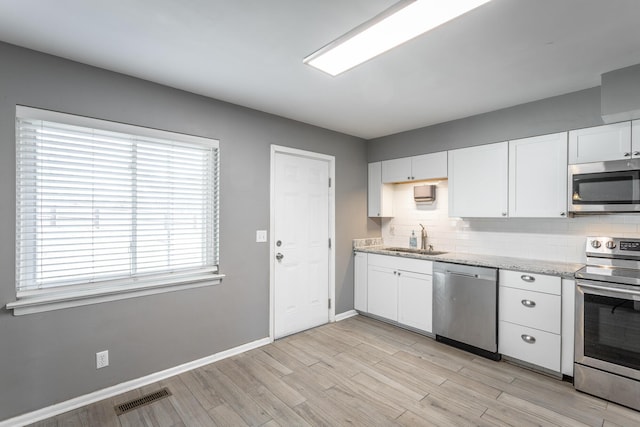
<point>561,239</point>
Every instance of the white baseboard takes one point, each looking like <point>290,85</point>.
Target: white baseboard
<point>346,315</point>
<point>96,396</point>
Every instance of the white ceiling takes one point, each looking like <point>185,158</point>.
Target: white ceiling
<point>249,52</point>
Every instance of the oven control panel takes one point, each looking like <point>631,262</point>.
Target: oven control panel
<point>613,247</point>
<point>629,245</point>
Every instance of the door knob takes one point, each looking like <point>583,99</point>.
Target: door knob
<point>279,256</point>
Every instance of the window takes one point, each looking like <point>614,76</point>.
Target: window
<point>106,208</point>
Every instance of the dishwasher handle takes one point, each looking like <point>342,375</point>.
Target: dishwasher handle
<point>461,274</point>
<point>455,273</point>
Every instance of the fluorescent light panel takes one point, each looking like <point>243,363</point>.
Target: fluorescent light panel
<point>398,24</point>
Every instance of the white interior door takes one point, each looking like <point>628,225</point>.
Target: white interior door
<point>300,242</point>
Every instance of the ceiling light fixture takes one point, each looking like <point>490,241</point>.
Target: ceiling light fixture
<point>402,22</point>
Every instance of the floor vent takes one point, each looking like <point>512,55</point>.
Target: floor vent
<point>141,401</point>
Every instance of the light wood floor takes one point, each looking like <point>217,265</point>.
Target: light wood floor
<point>358,372</point>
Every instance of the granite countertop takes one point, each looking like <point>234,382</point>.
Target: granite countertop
<point>566,270</point>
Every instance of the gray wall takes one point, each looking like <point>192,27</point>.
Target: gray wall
<point>565,112</point>
<point>50,357</point>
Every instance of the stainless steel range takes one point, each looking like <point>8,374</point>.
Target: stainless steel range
<point>607,346</point>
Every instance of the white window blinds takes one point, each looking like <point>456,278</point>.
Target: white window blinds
<point>111,204</point>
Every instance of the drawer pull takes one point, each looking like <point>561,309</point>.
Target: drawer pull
<point>528,278</point>
<point>528,339</point>
<point>528,303</point>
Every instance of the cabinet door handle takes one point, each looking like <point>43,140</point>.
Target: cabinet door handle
<point>504,214</point>
<point>528,278</point>
<point>636,153</point>
<point>627,154</point>
<point>563,214</point>
<point>528,303</point>
<point>528,339</point>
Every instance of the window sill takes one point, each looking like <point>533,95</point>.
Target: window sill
<point>50,302</point>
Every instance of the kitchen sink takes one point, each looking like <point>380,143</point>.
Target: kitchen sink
<point>415,251</point>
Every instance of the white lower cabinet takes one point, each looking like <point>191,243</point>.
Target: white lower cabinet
<point>414,300</point>
<point>530,345</point>
<point>534,309</point>
<point>382,292</point>
<point>360,268</point>
<point>530,326</point>
<point>401,290</point>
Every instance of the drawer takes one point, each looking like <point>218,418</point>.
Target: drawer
<point>401,263</point>
<point>532,309</point>
<point>531,281</point>
<point>544,352</point>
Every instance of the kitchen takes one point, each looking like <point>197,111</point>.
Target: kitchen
<point>553,176</point>
<point>53,369</point>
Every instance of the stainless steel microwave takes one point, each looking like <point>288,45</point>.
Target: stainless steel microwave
<point>612,186</point>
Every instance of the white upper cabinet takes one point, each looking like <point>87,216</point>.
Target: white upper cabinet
<point>635,135</point>
<point>478,181</point>
<point>416,168</point>
<point>538,176</point>
<point>601,143</point>
<point>379,195</point>
<point>429,166</point>
<point>396,170</point>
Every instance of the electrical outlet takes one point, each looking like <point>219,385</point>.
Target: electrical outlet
<point>102,359</point>
<point>261,236</point>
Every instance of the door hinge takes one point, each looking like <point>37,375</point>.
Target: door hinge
<point>329,182</point>
<point>329,242</point>
<point>329,303</point>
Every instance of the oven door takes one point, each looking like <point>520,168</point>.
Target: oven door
<point>608,327</point>
<point>605,186</point>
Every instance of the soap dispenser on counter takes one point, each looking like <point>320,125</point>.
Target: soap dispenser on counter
<point>413,240</point>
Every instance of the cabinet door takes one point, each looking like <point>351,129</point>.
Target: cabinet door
<point>396,170</point>
<point>360,268</point>
<point>382,292</point>
<point>379,195</point>
<point>415,300</point>
<point>429,166</point>
<point>538,176</point>
<point>478,179</point>
<point>601,143</point>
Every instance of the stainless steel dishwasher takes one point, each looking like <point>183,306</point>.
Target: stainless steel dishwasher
<point>466,307</point>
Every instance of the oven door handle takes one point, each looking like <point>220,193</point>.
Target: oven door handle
<point>632,293</point>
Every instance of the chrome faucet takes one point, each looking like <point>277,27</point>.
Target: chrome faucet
<point>423,238</point>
